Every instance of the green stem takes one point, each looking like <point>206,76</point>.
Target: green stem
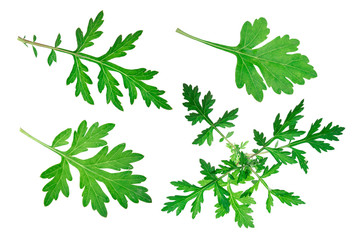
<point>109,65</point>
<point>38,141</point>
<point>73,53</point>
<point>261,179</point>
<point>25,41</point>
<point>215,45</point>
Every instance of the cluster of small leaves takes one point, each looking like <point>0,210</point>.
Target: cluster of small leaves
<point>279,69</point>
<point>133,79</point>
<point>246,168</point>
<point>122,185</point>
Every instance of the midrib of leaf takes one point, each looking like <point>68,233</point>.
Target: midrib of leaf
<point>96,60</point>
<point>62,154</point>
<point>247,69</point>
<point>204,188</point>
<point>107,82</point>
<point>234,50</point>
<point>119,69</point>
<point>301,141</point>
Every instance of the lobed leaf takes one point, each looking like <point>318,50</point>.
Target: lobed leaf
<point>133,79</point>
<point>290,121</point>
<point>122,185</point>
<point>59,175</point>
<point>281,156</point>
<point>287,197</point>
<point>78,73</point>
<point>121,46</point>
<point>328,132</point>
<point>270,171</point>
<point>242,212</point>
<point>299,155</point>
<point>192,103</point>
<point>85,138</point>
<point>279,66</point>
<point>61,138</point>
<point>269,202</point>
<point>259,138</point>
<point>92,33</point>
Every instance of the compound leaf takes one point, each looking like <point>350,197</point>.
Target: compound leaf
<point>122,185</point>
<point>133,79</point>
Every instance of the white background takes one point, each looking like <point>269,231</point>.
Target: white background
<point>34,96</point>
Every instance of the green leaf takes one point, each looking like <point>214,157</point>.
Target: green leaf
<point>192,103</point>
<point>220,211</point>
<point>251,189</point>
<point>290,134</point>
<point>85,138</point>
<point>299,155</point>
<point>291,120</point>
<point>273,170</point>
<point>221,194</point>
<point>78,73</point>
<point>184,186</point>
<point>328,132</point>
<point>278,67</point>
<point>259,138</point>
<point>244,175</point>
<point>59,174</point>
<point>287,197</point>
<point>243,144</point>
<point>229,134</point>
<point>52,57</point>
<point>121,46</point>
<point>112,92</point>
<point>35,51</point>
<point>92,33</point>
<point>205,135</point>
<point>196,205</point>
<point>207,170</point>
<point>269,202</point>
<point>135,80</point>
<point>118,158</point>
<point>58,40</point>
<point>61,138</point>
<point>281,156</point>
<point>242,212</point>
<point>178,203</point>
<point>122,185</point>
<point>224,121</point>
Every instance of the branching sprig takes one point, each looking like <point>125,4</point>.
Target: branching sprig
<point>133,79</point>
<point>122,185</point>
<point>243,167</point>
